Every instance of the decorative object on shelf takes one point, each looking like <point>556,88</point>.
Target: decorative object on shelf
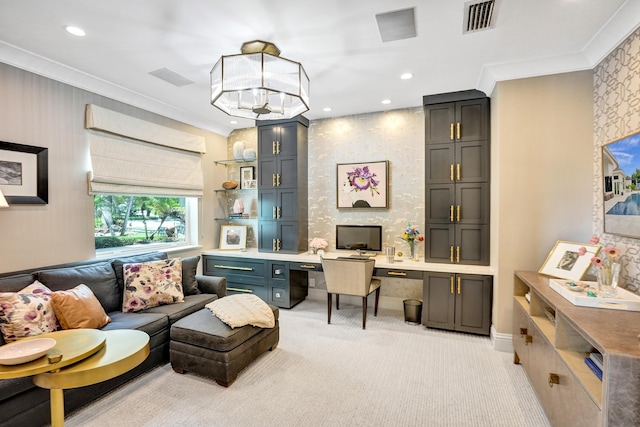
<point>238,150</point>
<point>251,184</point>
<point>230,185</point>
<point>363,185</point>
<point>320,252</point>
<point>249,154</point>
<point>607,270</point>
<point>238,206</point>
<point>24,174</point>
<point>247,173</point>
<point>569,260</point>
<point>316,244</point>
<point>590,296</point>
<point>284,89</point>
<point>233,237</point>
<point>413,237</point>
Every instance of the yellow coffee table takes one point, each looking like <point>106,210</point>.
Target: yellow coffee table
<point>123,350</point>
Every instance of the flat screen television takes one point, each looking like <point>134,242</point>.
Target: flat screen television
<point>361,238</point>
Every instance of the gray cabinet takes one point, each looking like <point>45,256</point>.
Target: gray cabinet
<point>457,178</point>
<point>458,302</point>
<point>282,186</point>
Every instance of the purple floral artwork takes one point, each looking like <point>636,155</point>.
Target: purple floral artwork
<point>362,185</point>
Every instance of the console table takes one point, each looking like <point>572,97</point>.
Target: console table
<point>552,337</point>
<point>456,297</point>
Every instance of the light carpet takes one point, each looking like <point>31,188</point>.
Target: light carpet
<point>391,374</point>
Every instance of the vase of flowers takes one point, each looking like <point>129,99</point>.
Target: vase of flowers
<point>316,244</point>
<point>607,270</point>
<point>413,237</point>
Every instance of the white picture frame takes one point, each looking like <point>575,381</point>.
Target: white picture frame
<point>566,260</point>
<point>233,237</point>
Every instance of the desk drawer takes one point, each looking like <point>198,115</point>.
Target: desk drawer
<point>236,270</point>
<point>397,273</point>
<point>305,266</point>
<point>241,288</point>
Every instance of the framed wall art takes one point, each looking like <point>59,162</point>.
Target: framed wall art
<point>363,185</point>
<point>233,237</point>
<point>24,173</point>
<point>569,260</point>
<point>247,173</point>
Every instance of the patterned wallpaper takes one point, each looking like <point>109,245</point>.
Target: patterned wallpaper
<point>617,115</point>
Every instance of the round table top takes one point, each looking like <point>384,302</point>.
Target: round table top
<point>124,350</point>
<point>73,344</point>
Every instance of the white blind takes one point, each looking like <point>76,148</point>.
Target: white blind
<point>147,159</point>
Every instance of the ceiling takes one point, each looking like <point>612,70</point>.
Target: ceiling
<point>337,41</point>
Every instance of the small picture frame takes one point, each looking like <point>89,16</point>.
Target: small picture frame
<point>247,173</point>
<point>250,184</point>
<point>233,237</point>
<point>567,261</point>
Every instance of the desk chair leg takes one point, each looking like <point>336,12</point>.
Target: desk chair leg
<point>364,312</point>
<point>375,311</point>
<point>329,300</point>
<point>337,301</point>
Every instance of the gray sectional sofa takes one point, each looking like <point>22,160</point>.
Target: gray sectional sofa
<point>24,404</point>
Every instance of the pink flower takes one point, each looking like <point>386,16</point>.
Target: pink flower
<point>594,240</point>
<point>582,250</point>
<point>612,251</point>
<point>596,261</point>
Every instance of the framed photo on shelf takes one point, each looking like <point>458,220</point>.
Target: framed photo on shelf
<point>233,237</point>
<point>363,185</point>
<point>569,260</point>
<point>247,173</point>
<point>250,184</point>
<point>24,171</point>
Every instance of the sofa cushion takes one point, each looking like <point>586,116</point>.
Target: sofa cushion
<point>151,284</point>
<point>79,308</point>
<point>151,323</point>
<point>133,259</point>
<point>189,270</point>
<point>191,304</point>
<point>27,313</point>
<point>99,277</point>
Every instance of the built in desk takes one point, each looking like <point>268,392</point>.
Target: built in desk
<point>456,297</point>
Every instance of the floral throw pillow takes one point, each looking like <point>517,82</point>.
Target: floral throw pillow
<point>27,313</point>
<point>151,284</point>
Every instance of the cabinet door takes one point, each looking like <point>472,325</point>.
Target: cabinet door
<point>439,119</point>
<point>472,244</point>
<point>520,332</point>
<point>439,301</point>
<point>267,169</point>
<point>287,137</point>
<point>472,161</point>
<point>287,208</point>
<point>472,120</point>
<point>471,203</point>
<point>288,236</point>
<point>267,204</point>
<point>439,163</point>
<point>440,202</point>
<point>267,139</point>
<point>473,303</point>
<point>287,172</point>
<point>439,242</point>
<point>267,235</point>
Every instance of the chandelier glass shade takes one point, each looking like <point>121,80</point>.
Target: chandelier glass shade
<point>259,84</point>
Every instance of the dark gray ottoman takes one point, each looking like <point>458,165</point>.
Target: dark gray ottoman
<point>203,344</point>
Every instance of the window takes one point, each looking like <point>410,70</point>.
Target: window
<point>131,222</point>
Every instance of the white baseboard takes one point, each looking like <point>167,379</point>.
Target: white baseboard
<point>501,342</point>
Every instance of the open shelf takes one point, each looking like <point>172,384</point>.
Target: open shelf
<point>233,162</point>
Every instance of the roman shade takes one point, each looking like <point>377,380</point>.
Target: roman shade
<point>135,157</point>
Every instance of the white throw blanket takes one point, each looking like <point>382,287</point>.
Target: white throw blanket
<point>240,310</point>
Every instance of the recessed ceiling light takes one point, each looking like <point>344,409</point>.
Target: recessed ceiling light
<point>327,109</point>
<point>386,101</point>
<point>234,122</point>
<point>75,31</point>
<point>406,76</point>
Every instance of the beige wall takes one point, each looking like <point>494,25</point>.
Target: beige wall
<point>542,170</point>
<point>41,112</point>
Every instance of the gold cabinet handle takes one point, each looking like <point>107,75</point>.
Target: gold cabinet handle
<point>451,213</point>
<point>451,284</point>
<point>523,331</point>
<point>458,171</point>
<point>273,179</point>
<point>396,273</point>
<point>459,285</point>
<point>273,245</point>
<point>451,172</point>
<point>247,291</point>
<point>553,379</point>
<point>232,267</point>
<point>279,244</point>
<point>277,147</point>
<point>273,214</point>
<point>273,147</point>
<point>312,267</point>
<point>458,129</point>
<point>528,339</point>
<point>451,253</point>
<point>451,132</point>
<point>458,213</point>
<point>279,212</point>
<point>457,253</point>
<point>277,180</point>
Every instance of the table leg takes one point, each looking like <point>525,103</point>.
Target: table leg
<point>57,407</point>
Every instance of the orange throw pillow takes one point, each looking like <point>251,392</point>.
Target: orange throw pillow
<point>79,308</point>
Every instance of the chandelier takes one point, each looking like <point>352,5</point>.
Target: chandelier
<point>259,84</point>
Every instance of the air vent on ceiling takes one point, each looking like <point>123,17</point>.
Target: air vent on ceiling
<point>397,25</point>
<point>479,15</point>
<point>171,77</point>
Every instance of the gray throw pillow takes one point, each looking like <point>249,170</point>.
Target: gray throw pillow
<point>189,282</point>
